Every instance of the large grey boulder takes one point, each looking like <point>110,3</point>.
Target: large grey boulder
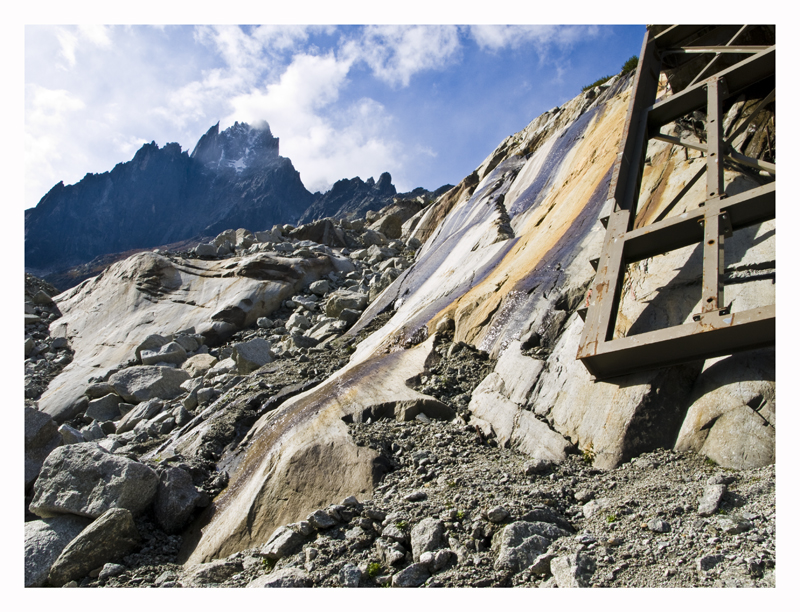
<point>520,543</point>
<point>44,541</point>
<point>339,300</point>
<point>213,572</point>
<point>198,365</point>
<point>289,577</point>
<point>413,576</point>
<point>105,408</point>
<point>150,343</point>
<point>143,412</point>
<point>176,499</point>
<point>572,571</point>
<point>251,355</point>
<point>141,383</point>
<point>731,418</point>
<point>172,352</point>
<point>41,437</point>
<point>284,541</point>
<point>427,535</point>
<point>87,480</point>
<point>107,539</point>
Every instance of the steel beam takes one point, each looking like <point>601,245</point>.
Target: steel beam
<point>714,331</point>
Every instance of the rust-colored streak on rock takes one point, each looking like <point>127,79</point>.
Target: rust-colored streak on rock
<point>587,165</point>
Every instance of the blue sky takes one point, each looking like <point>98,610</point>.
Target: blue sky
<point>426,103</point>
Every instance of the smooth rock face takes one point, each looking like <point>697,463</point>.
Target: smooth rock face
<point>86,480</point>
<point>315,462</point>
<point>138,301</point>
<point>108,538</point>
<point>197,365</point>
<point>44,541</point>
<point>41,437</point>
<point>175,499</point>
<point>141,383</point>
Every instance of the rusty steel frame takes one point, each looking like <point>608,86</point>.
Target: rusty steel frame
<point>714,331</point>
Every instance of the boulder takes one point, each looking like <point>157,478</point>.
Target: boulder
<point>176,499</point>
<point>205,250</point>
<point>322,231</point>
<point>413,576</point>
<point>289,577</point>
<point>390,226</point>
<point>172,352</point>
<point>222,367</point>
<point>213,572</point>
<point>86,480</point>
<point>339,300</point>
<point>521,543</point>
<point>105,408</point>
<point>284,541</point>
<point>371,237</point>
<point>70,435</point>
<point>143,412</point>
<point>732,415</point>
<point>44,541</point>
<point>197,365</point>
<point>41,438</point>
<point>427,535</point>
<point>107,539</point>
<point>251,355</point>
<point>150,343</point>
<point>320,287</point>
<point>572,571</point>
<point>141,383</point>
<point>98,390</point>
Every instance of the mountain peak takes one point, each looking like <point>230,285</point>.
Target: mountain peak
<point>237,147</point>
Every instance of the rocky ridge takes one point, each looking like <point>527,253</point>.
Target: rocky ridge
<point>233,178</point>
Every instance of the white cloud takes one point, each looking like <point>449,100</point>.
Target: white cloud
<point>68,43</point>
<point>70,39</point>
<point>395,53</point>
<point>47,116</point>
<point>496,37</point>
<point>98,35</point>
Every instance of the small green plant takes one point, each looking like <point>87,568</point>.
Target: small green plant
<point>599,81</point>
<point>401,524</point>
<point>452,484</point>
<point>267,563</point>
<point>630,64</point>
<point>710,462</point>
<point>460,515</point>
<point>722,511</point>
<point>588,454</point>
<point>373,569</point>
<point>611,518</point>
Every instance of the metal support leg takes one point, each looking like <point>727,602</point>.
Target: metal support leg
<point>716,143</point>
